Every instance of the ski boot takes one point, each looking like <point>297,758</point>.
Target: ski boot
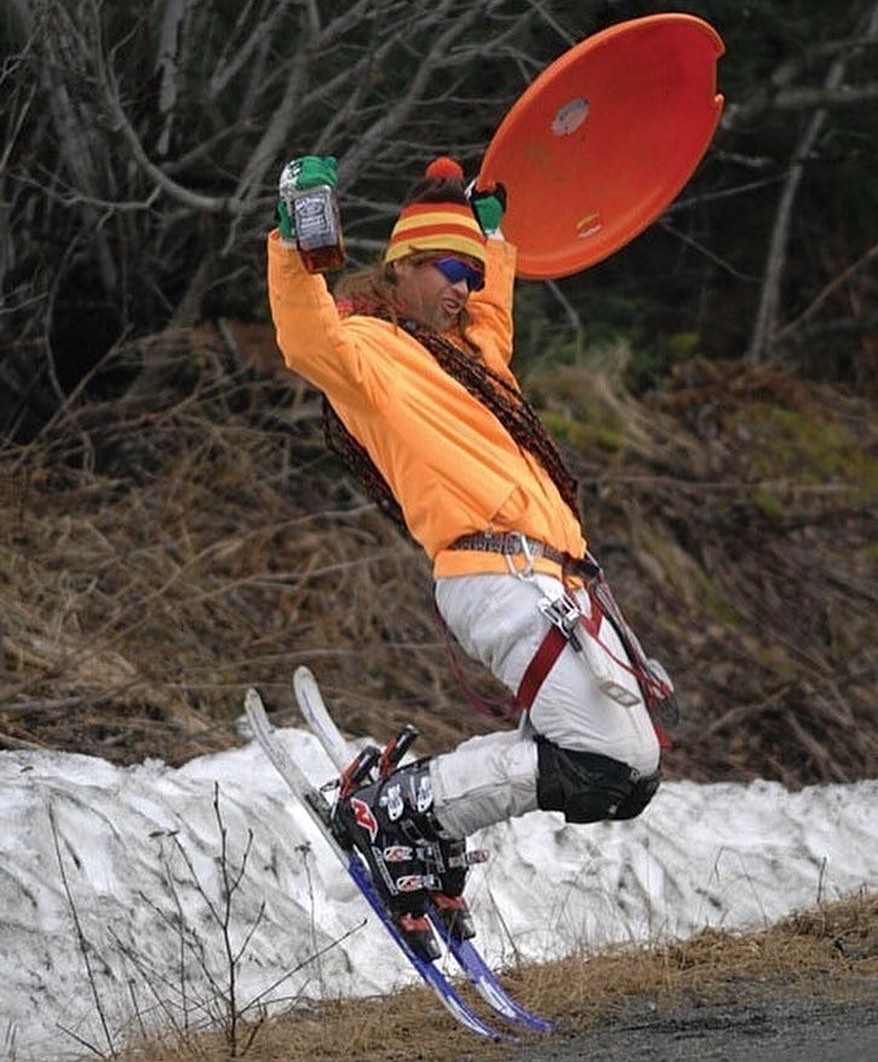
<point>389,821</point>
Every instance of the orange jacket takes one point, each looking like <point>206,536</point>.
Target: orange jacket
<point>453,468</point>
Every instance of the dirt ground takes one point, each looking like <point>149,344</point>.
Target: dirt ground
<point>774,1023</point>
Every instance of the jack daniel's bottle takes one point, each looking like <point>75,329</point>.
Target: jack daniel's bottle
<point>315,216</point>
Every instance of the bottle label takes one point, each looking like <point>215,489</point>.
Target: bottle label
<point>315,220</point>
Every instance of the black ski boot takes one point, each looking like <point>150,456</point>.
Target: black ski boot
<point>390,822</point>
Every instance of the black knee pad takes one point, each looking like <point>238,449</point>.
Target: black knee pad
<point>643,790</point>
<point>589,787</point>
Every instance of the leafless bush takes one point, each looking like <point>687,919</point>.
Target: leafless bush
<point>164,551</point>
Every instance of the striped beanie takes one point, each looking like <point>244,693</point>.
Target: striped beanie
<point>437,217</point>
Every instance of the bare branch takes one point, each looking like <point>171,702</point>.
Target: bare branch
<point>167,67</point>
<point>838,96</point>
<point>242,52</point>
<point>210,204</point>
<point>277,134</point>
<point>768,312</point>
<point>776,92</point>
<point>805,316</point>
<point>354,159</point>
<point>802,98</point>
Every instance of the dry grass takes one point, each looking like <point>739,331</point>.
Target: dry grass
<point>831,950</point>
<point>163,552</point>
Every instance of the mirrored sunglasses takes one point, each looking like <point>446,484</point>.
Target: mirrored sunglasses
<point>454,270</point>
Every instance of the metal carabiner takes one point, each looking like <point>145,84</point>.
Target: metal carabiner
<point>527,571</point>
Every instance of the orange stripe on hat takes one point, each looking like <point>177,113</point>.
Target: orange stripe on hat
<point>436,227</point>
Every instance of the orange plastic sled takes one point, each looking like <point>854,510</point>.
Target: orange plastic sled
<point>604,139</point>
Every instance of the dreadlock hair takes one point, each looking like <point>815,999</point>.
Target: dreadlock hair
<point>373,286</point>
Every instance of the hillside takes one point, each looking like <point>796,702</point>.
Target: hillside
<point>164,550</point>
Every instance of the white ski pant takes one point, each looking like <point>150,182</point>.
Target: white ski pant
<point>496,619</point>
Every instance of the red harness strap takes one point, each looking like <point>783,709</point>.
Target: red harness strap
<point>550,648</point>
<point>543,660</point>
<point>539,667</point>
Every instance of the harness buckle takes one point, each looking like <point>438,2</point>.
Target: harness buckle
<point>563,613</point>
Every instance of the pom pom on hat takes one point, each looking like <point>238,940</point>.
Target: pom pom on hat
<point>443,169</point>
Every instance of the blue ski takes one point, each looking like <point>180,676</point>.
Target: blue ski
<point>467,956</point>
<point>484,980</point>
<point>318,807</point>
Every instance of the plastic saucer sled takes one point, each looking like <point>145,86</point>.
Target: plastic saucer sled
<point>604,139</point>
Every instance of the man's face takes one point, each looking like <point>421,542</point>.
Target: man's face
<point>427,291</point>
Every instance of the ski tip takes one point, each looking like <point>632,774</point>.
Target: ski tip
<point>253,699</point>
<point>303,674</point>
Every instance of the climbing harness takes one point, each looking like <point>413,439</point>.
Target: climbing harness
<point>570,625</point>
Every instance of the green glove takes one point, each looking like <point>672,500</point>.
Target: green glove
<point>309,171</point>
<point>489,206</point>
<point>285,224</point>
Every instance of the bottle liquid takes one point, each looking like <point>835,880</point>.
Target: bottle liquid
<point>318,228</point>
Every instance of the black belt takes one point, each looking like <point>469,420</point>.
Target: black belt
<point>513,543</point>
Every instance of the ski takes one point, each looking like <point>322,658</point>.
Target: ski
<point>465,954</point>
<point>320,811</point>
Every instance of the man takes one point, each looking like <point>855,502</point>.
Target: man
<point>413,358</point>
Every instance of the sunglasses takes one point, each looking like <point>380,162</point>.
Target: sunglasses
<point>454,270</point>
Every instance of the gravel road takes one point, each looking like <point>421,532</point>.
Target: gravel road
<point>783,1027</point>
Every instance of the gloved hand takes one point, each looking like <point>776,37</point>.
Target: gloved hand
<point>489,206</point>
<point>309,171</point>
